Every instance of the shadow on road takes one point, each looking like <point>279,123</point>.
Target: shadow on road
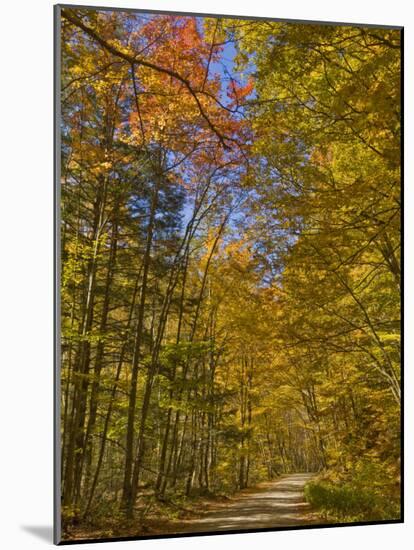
<point>273,504</point>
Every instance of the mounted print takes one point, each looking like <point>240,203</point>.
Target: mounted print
<point>228,280</point>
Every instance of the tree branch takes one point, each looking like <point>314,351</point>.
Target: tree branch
<point>132,60</point>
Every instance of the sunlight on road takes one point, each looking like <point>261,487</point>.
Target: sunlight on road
<point>276,504</point>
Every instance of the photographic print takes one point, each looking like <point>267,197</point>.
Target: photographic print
<point>228,208</point>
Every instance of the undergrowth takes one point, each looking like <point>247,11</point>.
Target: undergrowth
<point>366,494</point>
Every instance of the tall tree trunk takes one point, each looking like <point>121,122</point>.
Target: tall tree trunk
<point>93,403</point>
<point>81,371</point>
<point>127,494</point>
<point>112,400</point>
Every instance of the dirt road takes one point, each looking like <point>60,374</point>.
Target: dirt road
<point>278,503</point>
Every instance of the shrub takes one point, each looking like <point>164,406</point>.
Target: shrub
<point>344,501</point>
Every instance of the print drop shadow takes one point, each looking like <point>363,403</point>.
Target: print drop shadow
<point>43,532</point>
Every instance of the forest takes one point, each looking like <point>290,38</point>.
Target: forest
<point>230,212</point>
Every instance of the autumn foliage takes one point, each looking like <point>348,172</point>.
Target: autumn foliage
<point>230,265</point>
